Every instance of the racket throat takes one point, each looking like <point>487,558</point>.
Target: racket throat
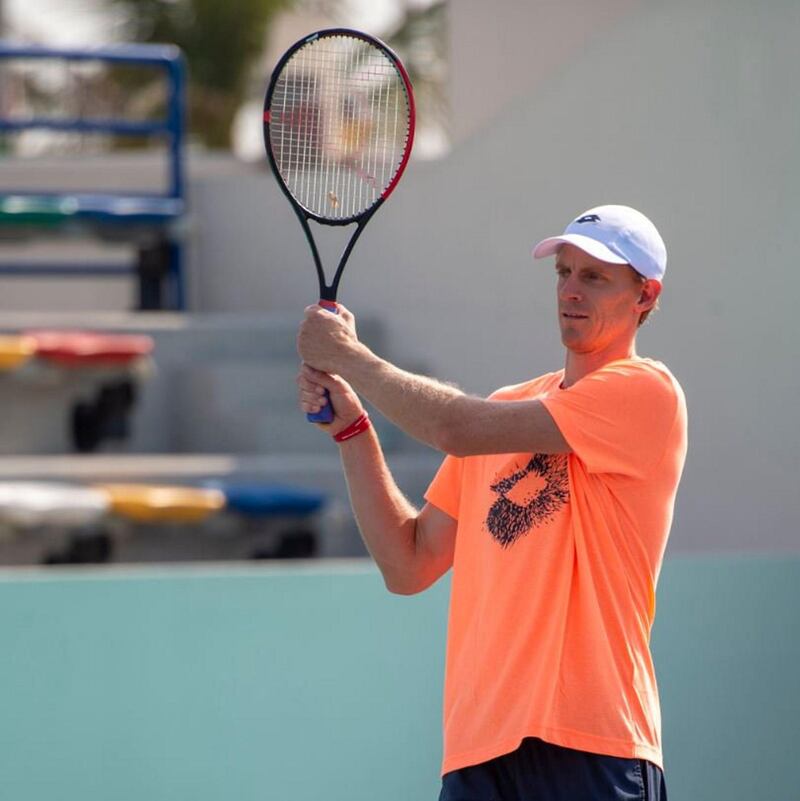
<point>327,295</point>
<point>345,256</point>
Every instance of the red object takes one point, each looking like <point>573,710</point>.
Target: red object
<point>85,348</point>
<point>354,429</point>
<point>412,124</point>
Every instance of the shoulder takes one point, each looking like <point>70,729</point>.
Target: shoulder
<point>528,389</point>
<point>624,389</point>
<point>639,374</point>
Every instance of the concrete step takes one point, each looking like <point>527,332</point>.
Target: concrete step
<point>218,538</point>
<point>222,382</point>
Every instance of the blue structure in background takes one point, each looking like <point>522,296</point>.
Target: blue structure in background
<point>151,218</point>
<point>269,500</point>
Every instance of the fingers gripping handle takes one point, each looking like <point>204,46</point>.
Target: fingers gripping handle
<point>325,414</point>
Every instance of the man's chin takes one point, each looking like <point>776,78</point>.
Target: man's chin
<point>574,342</point>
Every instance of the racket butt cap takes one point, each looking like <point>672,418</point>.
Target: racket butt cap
<point>324,415</point>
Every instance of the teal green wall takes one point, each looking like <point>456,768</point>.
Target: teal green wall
<point>727,650</point>
<point>305,684</point>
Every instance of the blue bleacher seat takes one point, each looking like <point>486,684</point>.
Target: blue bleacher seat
<point>266,500</point>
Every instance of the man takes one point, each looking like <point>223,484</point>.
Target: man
<point>553,507</point>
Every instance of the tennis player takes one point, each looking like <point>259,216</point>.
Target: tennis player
<point>553,507</point>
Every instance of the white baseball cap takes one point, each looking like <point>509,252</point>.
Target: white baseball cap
<point>614,234</point>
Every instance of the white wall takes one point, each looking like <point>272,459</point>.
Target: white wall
<point>688,111</point>
<point>511,48</point>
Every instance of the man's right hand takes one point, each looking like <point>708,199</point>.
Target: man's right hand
<point>347,407</point>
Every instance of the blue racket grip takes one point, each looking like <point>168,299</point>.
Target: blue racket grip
<point>325,414</point>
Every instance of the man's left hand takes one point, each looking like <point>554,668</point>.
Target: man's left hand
<point>325,339</point>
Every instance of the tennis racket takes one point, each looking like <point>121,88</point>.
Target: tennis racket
<point>338,129</point>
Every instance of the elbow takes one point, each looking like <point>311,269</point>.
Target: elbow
<point>409,580</point>
<point>454,444</point>
<point>403,585</point>
<point>450,435</point>
<point>454,440</point>
<point>403,589</point>
<point>443,439</point>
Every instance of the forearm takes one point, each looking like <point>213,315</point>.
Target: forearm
<point>386,519</point>
<point>424,408</point>
<point>444,417</point>
<point>433,412</point>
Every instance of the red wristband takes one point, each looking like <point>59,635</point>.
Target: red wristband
<point>354,429</point>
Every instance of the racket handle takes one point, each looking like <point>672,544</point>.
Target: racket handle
<point>325,414</point>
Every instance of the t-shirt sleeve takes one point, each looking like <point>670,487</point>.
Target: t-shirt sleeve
<point>618,418</point>
<point>444,491</point>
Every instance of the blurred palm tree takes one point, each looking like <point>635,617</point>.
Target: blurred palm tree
<point>421,40</point>
<point>221,40</point>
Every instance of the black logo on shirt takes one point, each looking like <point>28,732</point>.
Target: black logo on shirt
<point>528,498</point>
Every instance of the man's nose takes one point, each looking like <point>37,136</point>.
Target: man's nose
<point>569,289</point>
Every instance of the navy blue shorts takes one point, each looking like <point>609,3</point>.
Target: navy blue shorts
<point>540,771</point>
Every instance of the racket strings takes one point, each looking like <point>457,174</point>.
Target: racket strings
<point>339,125</point>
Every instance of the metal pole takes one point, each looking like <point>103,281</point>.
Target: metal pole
<point>3,139</point>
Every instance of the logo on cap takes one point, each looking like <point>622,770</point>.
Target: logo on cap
<point>588,218</point>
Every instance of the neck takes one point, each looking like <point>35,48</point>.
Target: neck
<point>579,365</point>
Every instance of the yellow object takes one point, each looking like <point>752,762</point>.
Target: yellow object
<point>146,503</point>
<point>15,351</point>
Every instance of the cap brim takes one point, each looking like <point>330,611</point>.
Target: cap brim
<point>551,245</point>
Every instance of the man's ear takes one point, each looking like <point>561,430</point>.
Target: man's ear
<point>648,297</point>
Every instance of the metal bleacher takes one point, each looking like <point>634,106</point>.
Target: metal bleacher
<point>218,409</point>
<point>212,408</point>
<point>151,222</point>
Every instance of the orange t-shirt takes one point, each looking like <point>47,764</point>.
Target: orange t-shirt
<point>555,568</point>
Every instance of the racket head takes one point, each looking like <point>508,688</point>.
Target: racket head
<point>339,121</point>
